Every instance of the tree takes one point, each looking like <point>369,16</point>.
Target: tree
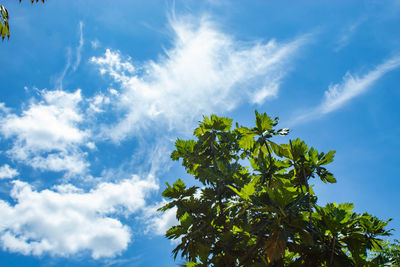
<point>388,255</point>
<point>265,214</point>
<point>4,25</point>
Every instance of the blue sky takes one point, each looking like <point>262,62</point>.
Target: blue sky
<point>94,93</point>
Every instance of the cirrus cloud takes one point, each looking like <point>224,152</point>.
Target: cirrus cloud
<point>352,85</point>
<point>204,71</point>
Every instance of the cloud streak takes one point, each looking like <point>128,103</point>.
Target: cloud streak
<point>340,94</point>
<point>79,47</point>
<point>347,34</point>
<point>353,85</point>
<point>60,79</point>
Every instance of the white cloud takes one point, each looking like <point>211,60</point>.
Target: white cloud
<point>113,64</point>
<point>164,222</point>
<point>95,44</point>
<point>73,162</point>
<point>352,86</point>
<point>347,33</point>
<point>60,79</point>
<point>205,71</point>
<point>66,220</point>
<point>268,91</point>
<point>46,135</point>
<point>159,222</point>
<point>97,102</point>
<point>3,108</point>
<point>79,47</point>
<point>91,145</point>
<point>7,172</point>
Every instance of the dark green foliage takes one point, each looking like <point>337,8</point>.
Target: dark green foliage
<point>388,255</point>
<point>264,214</point>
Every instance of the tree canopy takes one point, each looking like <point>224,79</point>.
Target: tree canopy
<point>255,205</point>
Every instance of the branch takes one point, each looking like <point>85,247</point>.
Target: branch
<point>333,251</point>
<point>295,166</point>
<point>251,250</point>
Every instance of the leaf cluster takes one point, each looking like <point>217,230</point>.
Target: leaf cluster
<point>388,254</point>
<point>256,205</point>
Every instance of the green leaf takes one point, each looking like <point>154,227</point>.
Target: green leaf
<point>174,191</point>
<point>280,150</point>
<point>327,158</point>
<point>211,123</point>
<point>264,123</point>
<point>175,155</point>
<point>236,191</point>
<point>248,189</point>
<point>192,264</point>
<point>298,149</point>
<point>313,155</point>
<point>236,229</point>
<point>329,178</point>
<point>183,148</point>
<point>186,220</point>
<point>175,232</point>
<point>284,131</point>
<point>246,140</point>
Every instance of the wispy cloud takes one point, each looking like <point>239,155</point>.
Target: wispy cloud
<point>60,79</point>
<point>352,86</point>
<point>205,71</point>
<point>95,43</point>
<point>347,33</point>
<point>79,47</point>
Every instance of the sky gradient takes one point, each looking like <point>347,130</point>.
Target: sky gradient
<point>93,95</point>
